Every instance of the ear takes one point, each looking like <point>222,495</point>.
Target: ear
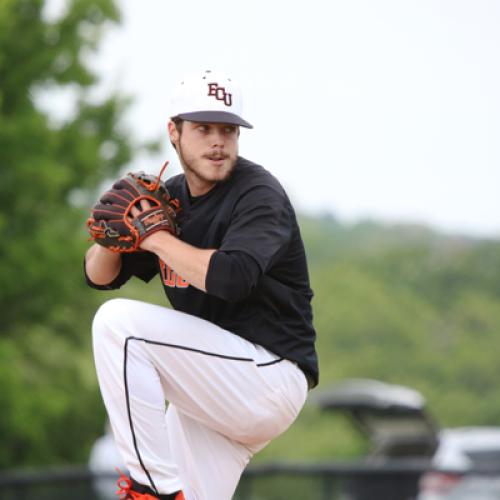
<point>173,132</point>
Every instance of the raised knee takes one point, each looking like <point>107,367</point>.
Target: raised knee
<point>106,316</point>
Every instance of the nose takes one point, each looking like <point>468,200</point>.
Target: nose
<point>217,138</point>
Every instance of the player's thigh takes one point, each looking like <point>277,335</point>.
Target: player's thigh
<point>210,374</point>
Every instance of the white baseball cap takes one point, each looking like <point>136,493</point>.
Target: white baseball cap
<point>208,97</point>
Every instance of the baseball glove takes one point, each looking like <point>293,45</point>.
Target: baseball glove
<point>112,223</point>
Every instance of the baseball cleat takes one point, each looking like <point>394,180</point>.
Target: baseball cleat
<point>128,489</point>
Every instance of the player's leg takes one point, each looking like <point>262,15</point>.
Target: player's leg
<point>146,353</point>
<point>210,464</point>
<point>134,401</point>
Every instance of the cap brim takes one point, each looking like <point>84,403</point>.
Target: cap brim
<point>214,117</point>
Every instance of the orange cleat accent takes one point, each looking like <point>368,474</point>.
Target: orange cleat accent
<point>125,491</point>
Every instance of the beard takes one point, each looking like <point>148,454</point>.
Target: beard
<point>203,171</point>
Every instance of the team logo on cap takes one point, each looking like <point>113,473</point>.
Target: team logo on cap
<point>220,93</point>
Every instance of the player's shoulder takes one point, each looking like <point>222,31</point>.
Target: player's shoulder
<point>250,175</point>
<point>175,185</point>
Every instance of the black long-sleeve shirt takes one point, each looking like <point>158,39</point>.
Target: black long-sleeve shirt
<point>257,281</point>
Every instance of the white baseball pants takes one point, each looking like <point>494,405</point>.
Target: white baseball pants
<point>227,397</point>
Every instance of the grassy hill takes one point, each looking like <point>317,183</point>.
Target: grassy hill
<point>405,305</point>
<point>402,304</point>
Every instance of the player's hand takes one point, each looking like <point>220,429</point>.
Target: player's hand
<point>117,226</point>
<point>148,243</point>
<point>145,205</point>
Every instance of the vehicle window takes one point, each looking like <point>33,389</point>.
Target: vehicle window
<point>487,459</point>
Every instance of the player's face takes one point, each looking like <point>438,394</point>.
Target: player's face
<point>207,151</point>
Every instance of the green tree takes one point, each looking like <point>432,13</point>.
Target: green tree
<point>48,395</point>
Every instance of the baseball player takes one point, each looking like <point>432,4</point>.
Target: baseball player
<point>193,392</point>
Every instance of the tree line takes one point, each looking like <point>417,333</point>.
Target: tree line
<point>401,304</point>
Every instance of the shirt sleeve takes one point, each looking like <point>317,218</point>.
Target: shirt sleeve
<point>259,232</point>
<point>143,265</point>
<point>231,276</point>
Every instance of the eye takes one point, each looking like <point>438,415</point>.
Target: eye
<point>230,129</point>
<point>202,127</point>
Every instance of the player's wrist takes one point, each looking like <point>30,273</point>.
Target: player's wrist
<point>156,241</point>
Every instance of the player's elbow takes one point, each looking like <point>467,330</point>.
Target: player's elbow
<point>232,277</point>
<point>232,292</point>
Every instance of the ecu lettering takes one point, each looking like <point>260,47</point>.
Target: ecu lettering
<point>220,93</point>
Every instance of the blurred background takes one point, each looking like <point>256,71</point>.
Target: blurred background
<point>381,119</point>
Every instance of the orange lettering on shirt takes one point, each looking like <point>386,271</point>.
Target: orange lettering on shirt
<point>170,278</point>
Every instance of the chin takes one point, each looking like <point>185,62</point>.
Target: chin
<point>221,173</point>
<point>229,169</point>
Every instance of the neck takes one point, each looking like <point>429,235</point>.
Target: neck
<point>197,186</point>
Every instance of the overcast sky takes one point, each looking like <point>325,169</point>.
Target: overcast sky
<point>386,109</point>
